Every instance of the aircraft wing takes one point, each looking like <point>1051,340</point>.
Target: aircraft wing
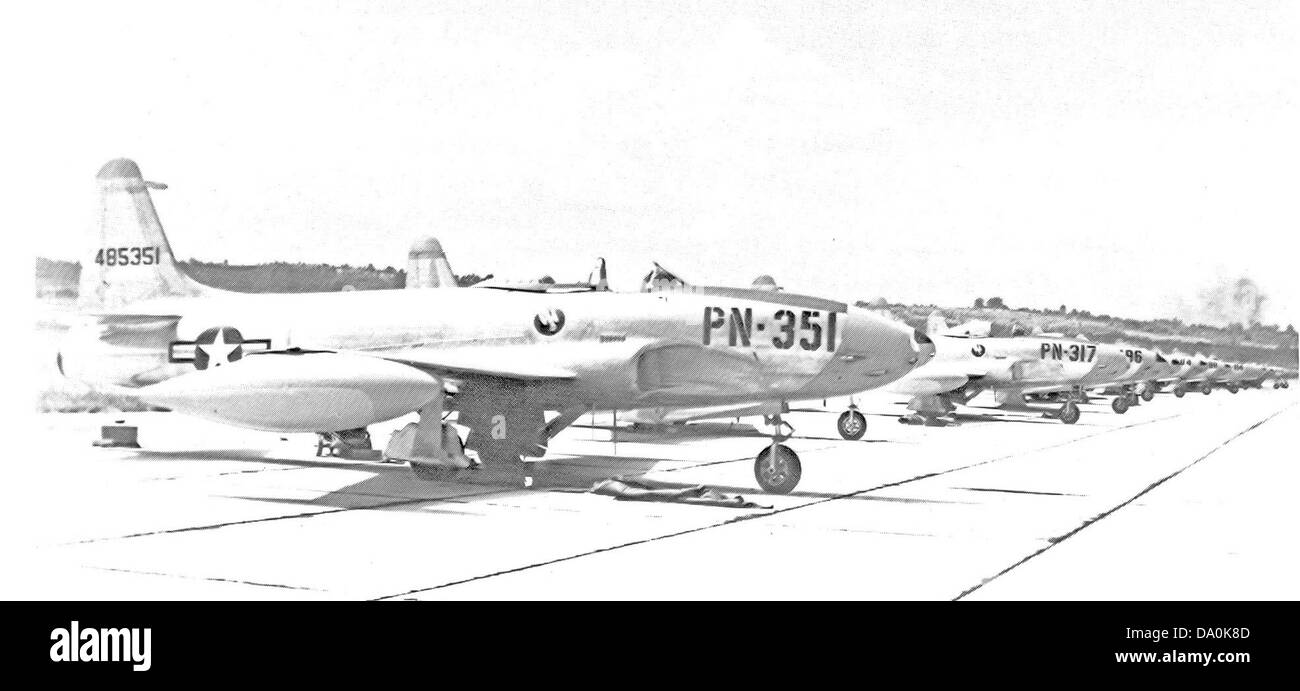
<point>940,377</point>
<point>469,363</point>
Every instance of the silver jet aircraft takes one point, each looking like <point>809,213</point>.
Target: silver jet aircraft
<point>967,363</point>
<point>502,359</point>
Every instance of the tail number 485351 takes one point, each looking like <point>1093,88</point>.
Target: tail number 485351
<point>126,256</point>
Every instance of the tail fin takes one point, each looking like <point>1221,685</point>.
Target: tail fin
<point>597,279</point>
<point>936,325</point>
<point>427,266</point>
<point>130,259</point>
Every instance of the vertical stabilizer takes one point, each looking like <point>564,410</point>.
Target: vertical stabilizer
<point>128,258</point>
<point>427,266</point>
<point>936,325</point>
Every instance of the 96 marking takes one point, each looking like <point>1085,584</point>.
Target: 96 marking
<point>809,328</point>
<point>127,256</point>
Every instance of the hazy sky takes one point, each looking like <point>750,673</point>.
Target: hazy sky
<point>1115,156</point>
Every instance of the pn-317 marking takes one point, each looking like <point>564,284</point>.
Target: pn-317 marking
<point>1076,352</point>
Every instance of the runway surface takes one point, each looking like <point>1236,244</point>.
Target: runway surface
<point>1177,499</point>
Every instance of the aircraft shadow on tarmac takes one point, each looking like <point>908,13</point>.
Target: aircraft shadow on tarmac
<point>392,486</point>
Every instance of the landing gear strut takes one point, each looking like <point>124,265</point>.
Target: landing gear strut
<point>430,444</point>
<point>777,467</point>
<point>852,424</point>
<point>1069,413</point>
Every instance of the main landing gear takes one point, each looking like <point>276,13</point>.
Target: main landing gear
<point>348,443</point>
<point>777,467</point>
<point>1069,411</point>
<point>430,444</point>
<point>1180,391</point>
<point>852,424</point>
<point>932,410</point>
<point>1125,400</point>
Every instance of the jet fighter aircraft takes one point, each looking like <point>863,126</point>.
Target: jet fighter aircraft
<point>502,359</point>
<point>967,363</point>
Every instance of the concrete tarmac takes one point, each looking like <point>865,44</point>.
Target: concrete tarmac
<point>1177,499</point>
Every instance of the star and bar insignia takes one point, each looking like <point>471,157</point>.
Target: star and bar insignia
<point>216,347</point>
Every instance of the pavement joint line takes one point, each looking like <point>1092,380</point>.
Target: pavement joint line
<point>1052,542</point>
<point>1019,491</point>
<point>202,578</point>
<point>764,514</point>
<point>301,514</point>
<point>228,473</point>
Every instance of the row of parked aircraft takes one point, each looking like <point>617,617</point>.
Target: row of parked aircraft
<point>518,363</point>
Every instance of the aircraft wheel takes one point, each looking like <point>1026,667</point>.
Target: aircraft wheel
<point>1148,395</point>
<point>1205,389</point>
<point>852,424</point>
<point>1069,413</point>
<point>1179,392</point>
<point>1233,388</point>
<point>779,474</point>
<point>1119,404</point>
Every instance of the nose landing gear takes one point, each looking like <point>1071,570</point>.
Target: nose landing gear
<point>1069,413</point>
<point>852,424</point>
<point>777,467</point>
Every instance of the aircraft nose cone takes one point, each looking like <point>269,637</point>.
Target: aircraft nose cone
<point>923,345</point>
<point>880,348</point>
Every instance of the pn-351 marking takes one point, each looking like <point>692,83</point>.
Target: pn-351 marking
<point>809,328</point>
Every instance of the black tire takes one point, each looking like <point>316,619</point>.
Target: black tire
<point>1148,395</point>
<point>1069,413</point>
<point>1206,389</point>
<point>784,477</point>
<point>1233,388</point>
<point>852,425</point>
<point>1180,392</point>
<point>1119,404</point>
